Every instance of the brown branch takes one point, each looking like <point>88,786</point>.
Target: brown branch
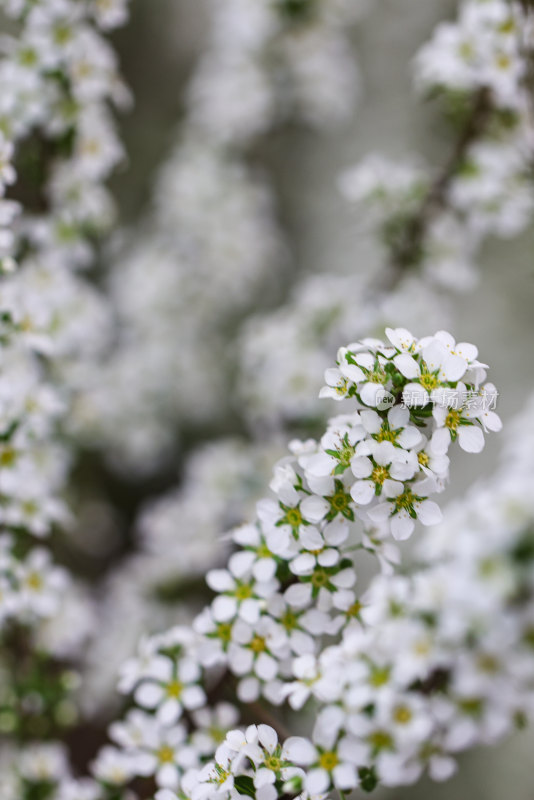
<point>407,252</point>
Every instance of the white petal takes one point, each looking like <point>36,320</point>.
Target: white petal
<point>454,368</point>
<point>361,467</point>
<point>402,526</point>
<point>372,422</point>
<point>362,492</point>
<point>344,776</point>
<point>300,751</point>
<point>409,437</point>
<point>268,737</point>
<point>220,580</point>
<point>149,694</point>
<point>407,366</point>
<point>428,512</point>
<point>470,438</point>
<point>224,608</point>
<point>317,781</point>
<point>371,393</point>
<point>314,508</point>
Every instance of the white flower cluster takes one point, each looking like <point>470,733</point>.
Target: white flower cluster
<point>292,580</point>
<point>58,76</point>
<point>416,396</point>
<point>31,588</point>
<point>443,661</point>
<point>42,769</point>
<point>481,58</point>
<point>270,59</point>
<point>252,760</point>
<point>212,245</point>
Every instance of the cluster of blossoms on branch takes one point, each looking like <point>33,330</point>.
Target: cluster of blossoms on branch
<point>480,66</point>
<point>291,582</point>
<point>58,76</point>
<point>443,660</point>
<point>58,146</point>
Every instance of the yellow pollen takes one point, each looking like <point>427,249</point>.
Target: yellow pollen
<point>339,500</point>
<point>8,457</point>
<point>35,581</point>
<point>328,760</point>
<point>319,578</point>
<point>428,381</point>
<point>402,715</point>
<point>423,458</point>
<point>294,517</point>
<point>386,435</point>
<point>379,676</point>
<point>166,755</point>
<point>175,689</point>
<point>243,592</point>
<point>379,475</point>
<point>224,631</point>
<point>257,645</point>
<point>354,609</point>
<point>289,621</point>
<point>381,740</point>
<point>377,376</point>
<point>404,501</point>
<point>503,61</point>
<point>452,420</point>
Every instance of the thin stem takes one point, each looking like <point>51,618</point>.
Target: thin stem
<point>407,252</point>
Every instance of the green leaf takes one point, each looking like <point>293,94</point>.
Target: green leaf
<point>245,785</point>
<point>368,779</point>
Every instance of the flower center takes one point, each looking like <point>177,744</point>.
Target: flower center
<point>319,578</point>
<point>387,435</point>
<point>8,456</point>
<point>294,517</point>
<point>328,760</point>
<point>405,501</point>
<point>402,715</point>
<point>339,500</point>
<point>423,459</point>
<point>257,645</point>
<point>289,621</point>
<point>354,609</point>
<point>175,689</point>
<point>379,475</point>
<point>243,591</point>
<point>377,376</point>
<point>273,763</point>
<point>35,581</point>
<point>379,676</point>
<point>224,631</point>
<point>452,420</point>
<point>429,381</point>
<point>165,755</point>
<point>381,740</point>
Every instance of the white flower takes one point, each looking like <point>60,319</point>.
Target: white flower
<point>170,685</point>
<point>403,507</point>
